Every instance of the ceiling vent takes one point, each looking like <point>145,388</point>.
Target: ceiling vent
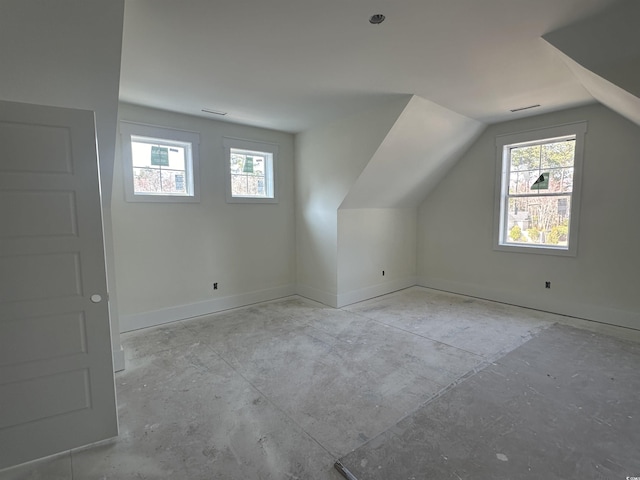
<point>377,19</point>
<point>214,112</point>
<point>524,108</point>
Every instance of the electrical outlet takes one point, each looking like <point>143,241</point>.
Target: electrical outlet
<point>547,284</point>
<point>215,286</point>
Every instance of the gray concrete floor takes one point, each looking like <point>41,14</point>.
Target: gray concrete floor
<point>562,406</point>
<point>280,390</point>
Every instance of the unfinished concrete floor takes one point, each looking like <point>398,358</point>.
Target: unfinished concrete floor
<point>281,390</point>
<point>559,407</point>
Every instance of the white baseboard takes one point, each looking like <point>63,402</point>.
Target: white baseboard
<point>326,298</point>
<point>342,299</point>
<point>597,313</point>
<point>372,291</point>
<point>118,359</point>
<point>182,312</point>
<point>623,318</point>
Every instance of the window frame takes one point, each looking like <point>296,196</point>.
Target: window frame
<point>538,136</point>
<point>271,174</point>
<point>166,135</point>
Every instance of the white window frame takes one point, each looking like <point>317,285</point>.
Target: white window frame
<point>503,144</point>
<point>164,135</point>
<point>271,176</point>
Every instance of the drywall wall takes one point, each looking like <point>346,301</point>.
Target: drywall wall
<point>169,255</point>
<point>329,159</point>
<point>377,218</point>
<point>455,222</point>
<point>67,54</point>
<point>380,163</point>
<point>424,142</point>
<point>372,241</point>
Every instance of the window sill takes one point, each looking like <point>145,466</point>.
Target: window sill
<point>251,200</point>
<point>536,250</point>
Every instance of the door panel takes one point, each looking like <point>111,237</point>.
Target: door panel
<point>38,214</point>
<point>45,148</point>
<point>40,277</point>
<point>66,392</point>
<point>56,374</point>
<point>58,336</point>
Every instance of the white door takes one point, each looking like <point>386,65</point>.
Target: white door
<point>56,375</point>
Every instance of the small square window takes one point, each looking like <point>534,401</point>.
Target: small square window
<point>538,190</point>
<point>250,168</point>
<point>160,164</point>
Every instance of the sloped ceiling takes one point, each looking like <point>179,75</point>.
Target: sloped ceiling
<point>603,52</point>
<point>293,65</point>
<point>424,142</point>
<point>617,99</point>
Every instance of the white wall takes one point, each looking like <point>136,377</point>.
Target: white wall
<point>67,54</point>
<point>329,159</point>
<point>359,181</point>
<point>371,241</point>
<point>455,223</point>
<point>423,144</point>
<point>169,255</point>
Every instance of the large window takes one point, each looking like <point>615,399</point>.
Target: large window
<point>539,188</point>
<point>250,168</point>
<point>160,164</point>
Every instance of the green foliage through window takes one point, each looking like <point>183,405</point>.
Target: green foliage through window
<point>515,233</point>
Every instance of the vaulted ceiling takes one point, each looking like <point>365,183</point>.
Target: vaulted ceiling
<point>291,64</point>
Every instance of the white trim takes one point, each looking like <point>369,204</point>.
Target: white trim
<point>577,129</point>
<point>128,129</point>
<point>182,312</point>
<point>321,296</point>
<point>118,360</point>
<point>541,134</point>
<point>343,299</point>
<point>271,174</point>
<point>542,302</point>
<point>373,291</point>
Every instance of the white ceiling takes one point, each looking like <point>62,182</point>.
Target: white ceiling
<point>294,64</point>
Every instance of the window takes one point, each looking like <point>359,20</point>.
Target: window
<point>538,190</point>
<point>160,164</point>
<point>250,168</point>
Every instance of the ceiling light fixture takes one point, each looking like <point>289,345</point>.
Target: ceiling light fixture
<point>214,112</point>
<point>377,19</point>
<point>525,108</point>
